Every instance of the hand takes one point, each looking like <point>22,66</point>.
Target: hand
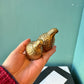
<point>24,70</point>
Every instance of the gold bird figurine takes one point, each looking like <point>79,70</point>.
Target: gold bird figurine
<point>48,39</point>
<point>34,49</point>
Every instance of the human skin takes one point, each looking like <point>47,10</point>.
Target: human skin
<point>24,70</point>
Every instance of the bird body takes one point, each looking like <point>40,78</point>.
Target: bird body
<point>48,39</point>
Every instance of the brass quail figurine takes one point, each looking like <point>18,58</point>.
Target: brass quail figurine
<point>34,49</point>
<point>48,39</point>
<point>44,43</point>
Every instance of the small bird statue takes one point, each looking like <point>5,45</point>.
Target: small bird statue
<point>34,49</point>
<point>48,39</point>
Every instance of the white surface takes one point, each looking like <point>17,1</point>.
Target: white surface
<point>65,68</point>
<point>54,78</point>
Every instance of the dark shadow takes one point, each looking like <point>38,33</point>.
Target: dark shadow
<point>75,76</point>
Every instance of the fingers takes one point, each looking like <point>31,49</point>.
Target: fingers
<point>22,46</point>
<point>48,54</point>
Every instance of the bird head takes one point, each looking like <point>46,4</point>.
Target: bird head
<point>38,43</point>
<point>52,32</point>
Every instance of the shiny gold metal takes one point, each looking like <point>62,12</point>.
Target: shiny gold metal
<point>48,39</point>
<point>44,43</point>
<point>34,49</point>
